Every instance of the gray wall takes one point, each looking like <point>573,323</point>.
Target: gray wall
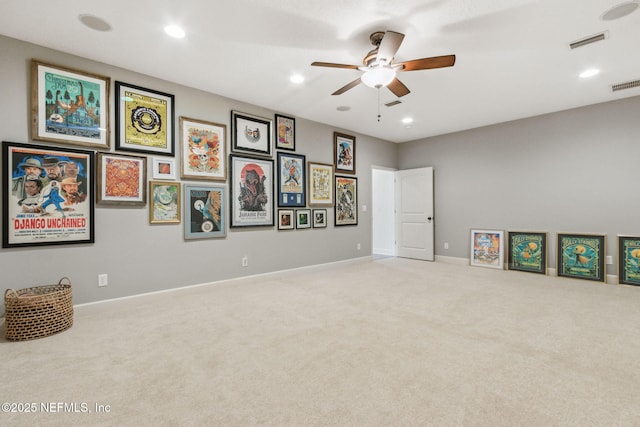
<point>142,258</point>
<point>571,171</point>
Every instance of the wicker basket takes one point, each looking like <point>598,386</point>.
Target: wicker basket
<point>39,311</point>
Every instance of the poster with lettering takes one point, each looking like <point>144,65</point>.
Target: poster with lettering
<point>251,192</point>
<point>629,260</point>
<point>581,256</point>
<point>487,248</point>
<point>47,197</point>
<point>144,119</point>
<point>527,251</point>
<point>346,208</point>
<point>69,105</point>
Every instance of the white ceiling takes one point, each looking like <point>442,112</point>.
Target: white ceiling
<point>512,56</point>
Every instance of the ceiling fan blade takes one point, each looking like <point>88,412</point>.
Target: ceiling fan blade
<point>428,63</point>
<point>398,88</point>
<point>332,65</point>
<point>389,45</point>
<point>346,87</point>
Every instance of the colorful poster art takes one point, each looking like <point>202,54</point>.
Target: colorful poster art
<point>285,133</point>
<point>251,192</point>
<point>164,205</point>
<point>70,106</point>
<point>144,120</point>
<point>581,256</point>
<point>48,196</point>
<point>204,212</point>
<point>487,249</point>
<point>121,179</point>
<point>291,180</point>
<point>346,208</point>
<point>320,184</point>
<point>629,260</point>
<point>344,153</point>
<point>527,251</point>
<point>203,149</point>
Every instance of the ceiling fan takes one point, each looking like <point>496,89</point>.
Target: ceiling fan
<point>379,68</point>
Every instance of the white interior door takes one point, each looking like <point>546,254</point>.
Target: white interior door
<point>414,213</point>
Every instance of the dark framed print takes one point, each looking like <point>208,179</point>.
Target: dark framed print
<point>291,180</point>
<point>286,219</point>
<point>144,120</point>
<point>164,202</point>
<point>320,179</point>
<point>629,260</point>
<point>527,251</point>
<point>581,256</point>
<point>122,180</point>
<point>204,211</point>
<point>344,153</point>
<point>285,133</point>
<point>251,192</point>
<point>303,218</point>
<point>487,248</point>
<point>346,208</point>
<point>69,106</point>
<point>47,195</point>
<point>203,150</point>
<point>250,134</point>
<point>319,218</point>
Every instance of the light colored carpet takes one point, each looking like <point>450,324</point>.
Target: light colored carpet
<point>390,342</point>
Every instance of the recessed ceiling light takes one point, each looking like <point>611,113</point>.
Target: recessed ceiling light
<point>343,108</point>
<point>589,73</point>
<point>94,22</point>
<point>296,78</point>
<point>407,120</point>
<point>174,31</point>
<point>620,11</point>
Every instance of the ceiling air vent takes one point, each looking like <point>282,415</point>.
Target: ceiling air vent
<point>588,40</point>
<point>392,103</point>
<point>626,85</point>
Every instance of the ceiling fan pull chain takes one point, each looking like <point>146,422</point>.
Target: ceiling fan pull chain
<point>378,105</point>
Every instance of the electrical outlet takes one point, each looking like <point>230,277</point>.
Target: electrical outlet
<point>609,259</point>
<point>358,246</point>
<point>103,280</point>
<point>446,245</point>
<point>245,261</point>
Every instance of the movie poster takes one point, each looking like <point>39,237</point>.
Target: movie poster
<point>48,196</point>
<point>251,192</point>
<point>346,209</point>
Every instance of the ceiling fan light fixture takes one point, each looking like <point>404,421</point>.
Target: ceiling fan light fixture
<point>378,77</point>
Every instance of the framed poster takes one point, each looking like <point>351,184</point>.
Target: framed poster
<point>285,219</point>
<point>346,208</point>
<point>164,202</point>
<point>303,218</point>
<point>344,153</point>
<point>527,251</point>
<point>251,191</point>
<point>164,168</point>
<point>47,195</point>
<point>629,260</point>
<point>122,180</point>
<point>291,180</point>
<point>204,212</point>
<point>319,218</point>
<point>204,150</point>
<point>144,120</point>
<point>581,256</point>
<point>69,106</point>
<point>320,179</point>
<point>250,134</point>
<point>487,248</point>
<point>285,133</point>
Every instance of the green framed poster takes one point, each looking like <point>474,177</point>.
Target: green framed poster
<point>581,256</point>
<point>527,251</point>
<point>629,260</point>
